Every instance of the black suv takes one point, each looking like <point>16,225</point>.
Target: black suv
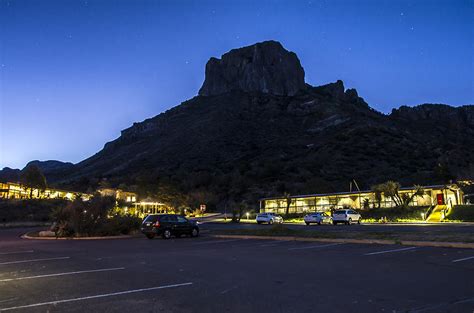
<point>167,225</point>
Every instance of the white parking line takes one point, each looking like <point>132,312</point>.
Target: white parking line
<point>317,246</point>
<point>463,259</point>
<point>94,297</point>
<point>64,274</point>
<point>35,260</point>
<point>389,251</point>
<point>16,252</point>
<point>215,241</point>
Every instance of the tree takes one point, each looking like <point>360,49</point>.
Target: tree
<point>378,190</point>
<point>170,196</point>
<point>288,202</point>
<point>242,207</point>
<point>238,211</point>
<point>366,203</point>
<point>32,177</point>
<point>83,217</point>
<point>407,198</point>
<point>391,189</point>
<point>197,197</point>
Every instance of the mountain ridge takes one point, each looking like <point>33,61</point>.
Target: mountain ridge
<point>254,141</point>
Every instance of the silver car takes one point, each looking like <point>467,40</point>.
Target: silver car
<point>317,218</point>
<point>346,216</point>
<point>269,218</point>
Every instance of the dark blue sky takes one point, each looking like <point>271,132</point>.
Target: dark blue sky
<point>74,73</point>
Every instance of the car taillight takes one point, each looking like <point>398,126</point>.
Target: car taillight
<point>157,224</point>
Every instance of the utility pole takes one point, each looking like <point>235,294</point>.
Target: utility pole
<point>360,200</point>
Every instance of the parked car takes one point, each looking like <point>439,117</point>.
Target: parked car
<point>269,218</point>
<point>318,218</point>
<point>346,216</point>
<point>168,225</point>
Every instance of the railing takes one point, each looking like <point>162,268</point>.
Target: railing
<point>429,211</point>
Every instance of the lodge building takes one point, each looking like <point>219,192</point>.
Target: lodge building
<point>10,190</point>
<point>448,195</point>
<point>132,205</point>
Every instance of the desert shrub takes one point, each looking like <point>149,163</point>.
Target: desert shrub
<point>92,218</point>
<point>235,215</point>
<point>120,225</point>
<point>37,210</point>
<point>395,213</point>
<point>293,215</point>
<point>463,213</point>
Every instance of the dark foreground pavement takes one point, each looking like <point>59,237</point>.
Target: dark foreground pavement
<point>230,275</point>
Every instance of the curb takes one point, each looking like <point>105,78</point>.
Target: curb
<point>438,244</point>
<point>26,236</point>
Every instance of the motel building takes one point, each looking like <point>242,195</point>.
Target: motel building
<point>438,196</point>
<point>133,206</point>
<point>118,194</point>
<point>10,190</point>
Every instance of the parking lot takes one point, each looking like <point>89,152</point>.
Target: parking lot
<point>425,228</point>
<point>230,275</point>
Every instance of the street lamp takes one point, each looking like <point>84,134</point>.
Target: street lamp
<point>247,215</point>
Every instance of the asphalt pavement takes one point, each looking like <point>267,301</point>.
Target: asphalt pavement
<point>372,227</point>
<point>230,275</point>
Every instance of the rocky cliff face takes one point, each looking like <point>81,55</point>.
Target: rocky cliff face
<point>257,130</point>
<point>265,67</point>
<point>50,165</point>
<point>440,114</point>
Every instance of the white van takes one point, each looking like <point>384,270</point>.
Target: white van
<point>346,216</point>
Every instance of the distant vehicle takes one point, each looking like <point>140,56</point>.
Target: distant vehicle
<point>168,225</point>
<point>318,218</point>
<point>269,218</point>
<point>346,216</point>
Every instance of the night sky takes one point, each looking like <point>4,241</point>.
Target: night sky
<point>75,73</point>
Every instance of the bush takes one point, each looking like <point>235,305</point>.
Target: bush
<point>30,210</point>
<point>294,215</point>
<point>120,225</point>
<point>92,218</point>
<point>394,214</point>
<point>463,213</point>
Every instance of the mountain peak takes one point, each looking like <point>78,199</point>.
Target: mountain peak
<point>265,67</point>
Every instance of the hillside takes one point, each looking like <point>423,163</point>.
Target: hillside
<point>256,129</point>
